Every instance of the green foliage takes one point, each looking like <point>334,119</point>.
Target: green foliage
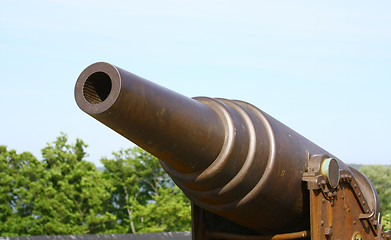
<point>20,176</point>
<point>75,190</point>
<point>169,210</point>
<point>64,194</point>
<point>386,221</point>
<point>144,198</point>
<point>380,176</point>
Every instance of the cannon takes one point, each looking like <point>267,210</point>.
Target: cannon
<point>248,176</point>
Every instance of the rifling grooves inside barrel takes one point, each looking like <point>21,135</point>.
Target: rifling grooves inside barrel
<point>97,88</point>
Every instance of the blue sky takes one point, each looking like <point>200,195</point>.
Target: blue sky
<point>321,67</point>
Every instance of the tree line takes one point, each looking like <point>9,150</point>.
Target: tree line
<point>65,194</point>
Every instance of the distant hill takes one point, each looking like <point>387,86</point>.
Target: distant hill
<point>358,166</point>
<point>355,166</point>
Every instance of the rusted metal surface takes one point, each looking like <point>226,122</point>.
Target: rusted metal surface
<point>228,157</point>
<point>347,210</point>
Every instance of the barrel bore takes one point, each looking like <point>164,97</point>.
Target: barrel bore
<point>97,87</point>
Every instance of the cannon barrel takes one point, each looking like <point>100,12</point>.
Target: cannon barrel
<point>227,156</point>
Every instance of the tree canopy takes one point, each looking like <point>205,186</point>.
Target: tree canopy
<point>152,202</point>
<point>65,194</point>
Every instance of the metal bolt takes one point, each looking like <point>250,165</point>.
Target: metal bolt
<point>328,231</point>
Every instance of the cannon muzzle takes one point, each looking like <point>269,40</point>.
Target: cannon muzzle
<point>228,157</point>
